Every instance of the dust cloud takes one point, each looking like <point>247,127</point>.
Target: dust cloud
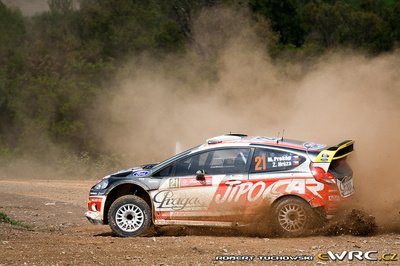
<point>28,7</point>
<point>226,82</point>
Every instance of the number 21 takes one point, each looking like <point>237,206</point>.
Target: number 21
<point>259,160</point>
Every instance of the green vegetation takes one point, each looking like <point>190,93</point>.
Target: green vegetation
<point>53,65</point>
<point>5,219</point>
<point>370,25</point>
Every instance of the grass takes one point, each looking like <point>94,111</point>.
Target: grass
<point>4,218</point>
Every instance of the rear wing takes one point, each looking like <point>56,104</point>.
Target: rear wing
<point>339,151</point>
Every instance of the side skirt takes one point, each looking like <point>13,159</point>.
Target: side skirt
<point>193,223</point>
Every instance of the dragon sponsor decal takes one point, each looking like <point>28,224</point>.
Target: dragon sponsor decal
<point>253,191</point>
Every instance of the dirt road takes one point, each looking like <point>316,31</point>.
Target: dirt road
<point>58,234</point>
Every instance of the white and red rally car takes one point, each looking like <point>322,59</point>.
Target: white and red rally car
<point>232,180</point>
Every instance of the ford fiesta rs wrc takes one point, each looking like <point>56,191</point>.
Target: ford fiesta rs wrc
<point>231,180</point>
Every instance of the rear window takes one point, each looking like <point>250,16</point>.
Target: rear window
<point>340,168</point>
<point>268,160</point>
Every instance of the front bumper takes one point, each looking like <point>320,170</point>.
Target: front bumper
<point>94,217</point>
<point>95,209</point>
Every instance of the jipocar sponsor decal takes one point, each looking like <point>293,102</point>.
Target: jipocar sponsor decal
<point>253,191</point>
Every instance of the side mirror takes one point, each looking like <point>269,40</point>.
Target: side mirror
<point>200,175</point>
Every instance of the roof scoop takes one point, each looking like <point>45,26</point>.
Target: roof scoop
<point>226,137</point>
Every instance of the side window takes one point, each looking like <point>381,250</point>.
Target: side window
<point>189,166</point>
<point>265,160</point>
<point>228,161</point>
<point>164,172</point>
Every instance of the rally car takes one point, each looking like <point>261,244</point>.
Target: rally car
<point>231,180</point>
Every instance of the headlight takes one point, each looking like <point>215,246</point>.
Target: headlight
<point>102,184</point>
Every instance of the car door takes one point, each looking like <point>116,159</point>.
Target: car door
<point>184,197</point>
<point>227,203</point>
<point>274,173</point>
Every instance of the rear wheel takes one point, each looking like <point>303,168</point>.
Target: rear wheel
<point>292,217</point>
<point>129,216</point>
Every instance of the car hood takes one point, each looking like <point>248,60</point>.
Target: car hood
<point>142,171</point>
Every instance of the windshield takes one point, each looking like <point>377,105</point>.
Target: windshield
<point>173,158</point>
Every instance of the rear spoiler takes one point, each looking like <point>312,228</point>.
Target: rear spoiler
<point>339,151</point>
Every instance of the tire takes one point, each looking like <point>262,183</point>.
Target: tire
<point>130,216</point>
<point>292,217</point>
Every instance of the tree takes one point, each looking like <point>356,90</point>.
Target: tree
<point>12,38</point>
<point>341,24</point>
<point>285,17</point>
<point>123,28</point>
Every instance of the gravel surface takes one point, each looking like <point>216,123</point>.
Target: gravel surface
<point>59,234</point>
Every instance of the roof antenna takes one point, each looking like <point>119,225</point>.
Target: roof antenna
<point>283,133</point>
<point>277,140</point>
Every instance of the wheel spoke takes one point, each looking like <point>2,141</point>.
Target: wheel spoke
<point>129,217</point>
<point>292,217</point>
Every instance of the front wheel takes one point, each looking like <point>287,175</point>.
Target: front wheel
<point>129,216</point>
<point>292,217</point>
